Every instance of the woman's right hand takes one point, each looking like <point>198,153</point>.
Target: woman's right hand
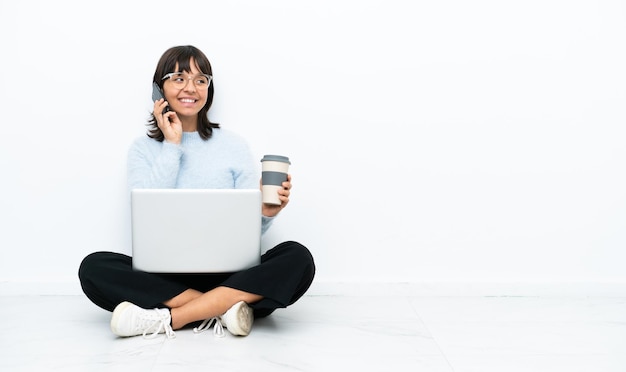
<point>168,122</point>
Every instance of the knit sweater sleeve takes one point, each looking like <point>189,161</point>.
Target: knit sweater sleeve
<point>153,164</point>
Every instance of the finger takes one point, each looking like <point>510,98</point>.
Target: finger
<point>160,107</point>
<point>158,112</point>
<point>284,194</point>
<point>172,117</point>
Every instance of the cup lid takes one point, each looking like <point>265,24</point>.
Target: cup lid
<point>280,158</point>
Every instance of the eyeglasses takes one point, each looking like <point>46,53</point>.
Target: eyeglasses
<point>178,79</point>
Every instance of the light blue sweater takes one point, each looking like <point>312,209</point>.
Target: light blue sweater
<point>222,162</point>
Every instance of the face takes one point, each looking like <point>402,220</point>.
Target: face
<point>189,99</point>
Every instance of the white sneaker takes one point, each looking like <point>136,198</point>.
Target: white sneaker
<point>131,320</point>
<point>218,329</point>
<point>238,319</point>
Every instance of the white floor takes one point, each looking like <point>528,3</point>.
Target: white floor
<point>333,333</point>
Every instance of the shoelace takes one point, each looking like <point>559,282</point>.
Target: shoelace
<point>218,330</point>
<point>161,322</point>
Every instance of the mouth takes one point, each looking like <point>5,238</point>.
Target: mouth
<point>188,100</point>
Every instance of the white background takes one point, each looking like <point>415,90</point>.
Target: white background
<point>431,141</point>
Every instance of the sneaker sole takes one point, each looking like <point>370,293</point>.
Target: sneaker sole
<point>116,316</point>
<point>244,320</point>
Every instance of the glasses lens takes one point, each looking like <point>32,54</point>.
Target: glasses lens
<point>179,80</point>
<point>201,81</point>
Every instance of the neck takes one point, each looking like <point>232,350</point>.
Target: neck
<point>190,124</point>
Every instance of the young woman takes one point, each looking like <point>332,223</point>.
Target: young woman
<point>183,149</point>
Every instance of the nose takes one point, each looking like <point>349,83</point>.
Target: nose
<point>190,86</point>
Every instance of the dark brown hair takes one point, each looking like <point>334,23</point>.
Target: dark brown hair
<point>182,56</point>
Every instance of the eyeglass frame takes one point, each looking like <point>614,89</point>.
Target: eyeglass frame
<point>209,77</point>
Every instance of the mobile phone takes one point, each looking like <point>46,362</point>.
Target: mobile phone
<point>157,94</point>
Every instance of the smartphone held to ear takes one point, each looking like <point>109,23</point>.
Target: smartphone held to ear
<point>157,94</point>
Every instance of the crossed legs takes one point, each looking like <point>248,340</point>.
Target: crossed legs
<point>192,305</point>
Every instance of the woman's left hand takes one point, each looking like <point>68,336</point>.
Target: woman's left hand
<point>270,210</point>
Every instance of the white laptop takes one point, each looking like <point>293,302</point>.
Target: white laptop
<point>195,230</point>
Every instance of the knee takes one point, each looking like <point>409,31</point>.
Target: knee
<point>304,264</point>
<point>87,265</point>
<point>296,251</point>
<point>301,256</point>
<point>92,264</point>
<point>305,255</point>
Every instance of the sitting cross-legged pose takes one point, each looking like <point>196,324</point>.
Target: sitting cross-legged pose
<point>184,149</point>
